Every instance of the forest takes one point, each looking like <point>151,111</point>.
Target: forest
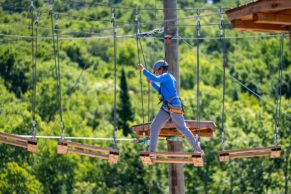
<point>86,58</point>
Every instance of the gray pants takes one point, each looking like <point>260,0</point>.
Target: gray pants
<point>161,119</point>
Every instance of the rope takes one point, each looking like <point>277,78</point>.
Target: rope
<point>114,146</point>
<point>20,37</point>
<point>33,71</point>
<point>80,138</point>
<point>222,35</point>
<point>198,77</point>
<point>140,76</point>
<point>279,94</point>
<point>57,64</point>
<point>59,80</point>
<point>149,87</point>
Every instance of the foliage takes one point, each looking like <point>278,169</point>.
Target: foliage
<point>87,85</point>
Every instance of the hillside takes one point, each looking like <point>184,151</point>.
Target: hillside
<point>86,58</point>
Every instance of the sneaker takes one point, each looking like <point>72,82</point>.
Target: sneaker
<point>198,149</point>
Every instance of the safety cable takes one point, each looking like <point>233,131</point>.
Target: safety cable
<point>59,78</point>
<point>198,77</point>
<point>224,51</point>
<point>114,145</point>
<point>33,70</point>
<point>57,65</point>
<point>279,94</point>
<point>140,73</point>
<point>149,87</point>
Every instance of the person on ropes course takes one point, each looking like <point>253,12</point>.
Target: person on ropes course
<point>172,107</point>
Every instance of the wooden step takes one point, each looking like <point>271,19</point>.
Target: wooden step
<point>111,155</point>
<point>207,129</point>
<point>273,152</point>
<point>149,158</point>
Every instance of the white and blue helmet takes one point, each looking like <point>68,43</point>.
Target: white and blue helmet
<point>159,64</point>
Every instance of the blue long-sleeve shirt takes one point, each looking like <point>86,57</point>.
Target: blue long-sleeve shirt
<point>166,86</point>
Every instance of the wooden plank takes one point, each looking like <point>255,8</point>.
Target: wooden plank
<point>267,18</point>
<point>250,26</point>
<point>250,155</point>
<point>113,157</point>
<point>172,160</point>
<point>88,147</point>
<point>206,129</point>
<point>258,6</point>
<point>276,152</point>
<point>261,149</point>
<point>145,158</point>
<point>10,136</point>
<point>173,154</point>
<point>90,154</point>
<point>32,145</point>
<point>198,161</point>
<point>15,143</point>
<point>62,149</point>
<point>223,157</point>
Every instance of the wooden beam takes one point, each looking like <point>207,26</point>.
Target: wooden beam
<point>269,18</point>
<point>15,143</point>
<point>32,145</point>
<point>172,160</point>
<point>90,154</point>
<point>262,149</point>
<point>258,6</point>
<point>250,26</point>
<point>87,147</point>
<point>250,155</point>
<point>10,136</point>
<point>173,154</point>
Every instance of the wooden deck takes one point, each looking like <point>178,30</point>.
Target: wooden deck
<point>262,16</point>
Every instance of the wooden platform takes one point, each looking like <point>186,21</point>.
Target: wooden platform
<point>262,16</point>
<point>149,158</point>
<point>169,130</point>
<point>273,152</point>
<point>111,155</point>
<point>26,143</point>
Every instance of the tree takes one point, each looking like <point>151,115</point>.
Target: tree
<point>15,179</point>
<point>124,110</point>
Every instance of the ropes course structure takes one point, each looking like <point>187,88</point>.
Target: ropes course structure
<point>199,128</point>
<point>64,147</point>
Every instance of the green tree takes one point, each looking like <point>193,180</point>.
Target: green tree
<point>124,109</point>
<point>16,179</point>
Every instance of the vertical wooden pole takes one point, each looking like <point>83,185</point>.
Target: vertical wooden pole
<point>176,171</point>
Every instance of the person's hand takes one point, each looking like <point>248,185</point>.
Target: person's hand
<point>149,81</point>
<point>140,67</point>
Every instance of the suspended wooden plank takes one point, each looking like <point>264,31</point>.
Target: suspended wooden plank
<point>29,144</point>
<point>32,145</point>
<point>169,130</point>
<point>250,26</point>
<point>149,158</point>
<point>273,152</point>
<point>15,143</point>
<point>65,147</point>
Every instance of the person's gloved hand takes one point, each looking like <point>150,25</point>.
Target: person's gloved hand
<point>140,67</point>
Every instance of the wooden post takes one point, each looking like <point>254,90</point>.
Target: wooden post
<point>176,171</point>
